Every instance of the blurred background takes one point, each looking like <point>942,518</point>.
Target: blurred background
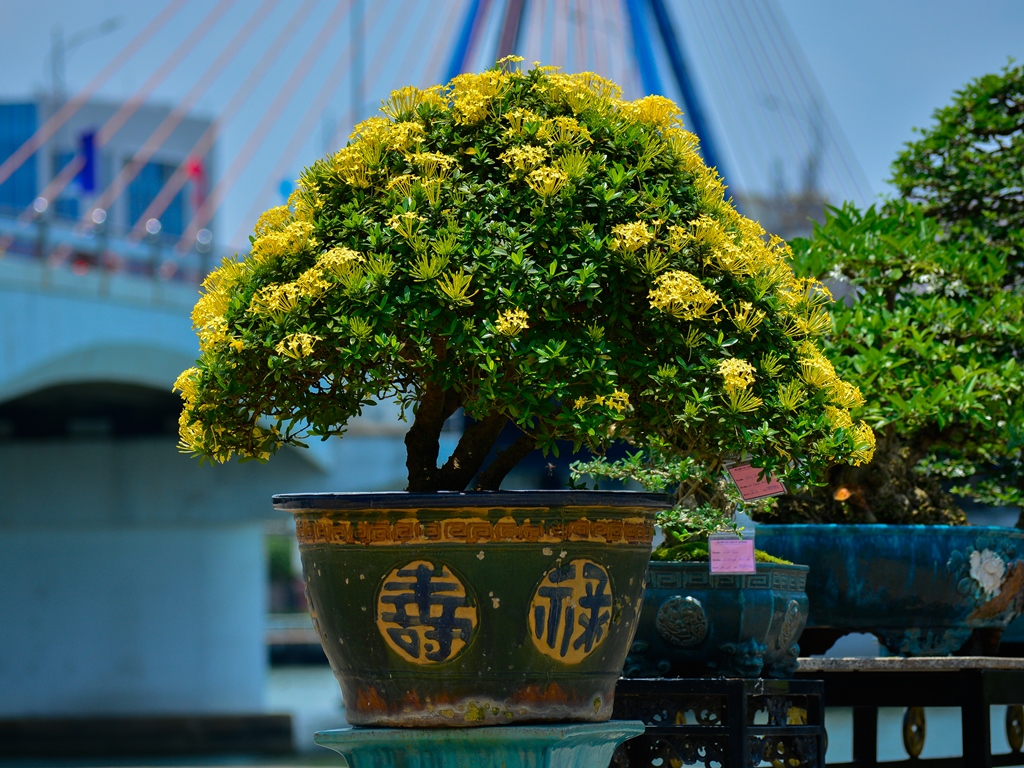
<point>151,605</point>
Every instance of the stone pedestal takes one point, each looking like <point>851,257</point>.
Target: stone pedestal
<point>524,746</point>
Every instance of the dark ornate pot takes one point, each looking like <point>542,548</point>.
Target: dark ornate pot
<point>921,589</point>
<point>458,609</point>
<point>743,625</point>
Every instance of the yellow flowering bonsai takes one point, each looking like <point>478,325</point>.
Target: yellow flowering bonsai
<point>530,248</point>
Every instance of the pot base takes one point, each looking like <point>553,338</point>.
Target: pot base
<point>536,746</point>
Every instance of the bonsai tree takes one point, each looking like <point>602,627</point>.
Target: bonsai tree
<point>932,322</point>
<point>965,170</point>
<point>932,335</point>
<point>530,248</point>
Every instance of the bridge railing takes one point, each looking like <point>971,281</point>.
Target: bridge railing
<point>62,244</point>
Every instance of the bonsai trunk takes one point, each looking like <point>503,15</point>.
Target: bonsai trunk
<point>422,444</point>
<point>886,490</point>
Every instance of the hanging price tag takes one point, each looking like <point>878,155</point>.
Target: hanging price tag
<point>731,555</point>
<point>750,487</point>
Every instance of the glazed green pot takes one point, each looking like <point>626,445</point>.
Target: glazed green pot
<point>489,608</point>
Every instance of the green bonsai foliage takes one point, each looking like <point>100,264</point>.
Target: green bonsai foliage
<point>706,501</point>
<point>530,248</point>
<point>966,169</point>
<point>932,335</point>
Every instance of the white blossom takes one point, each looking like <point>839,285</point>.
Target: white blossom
<point>988,569</point>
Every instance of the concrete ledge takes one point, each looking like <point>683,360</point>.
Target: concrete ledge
<point>138,736</point>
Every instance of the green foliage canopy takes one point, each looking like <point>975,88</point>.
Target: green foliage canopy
<point>530,248</point>
<point>967,169</point>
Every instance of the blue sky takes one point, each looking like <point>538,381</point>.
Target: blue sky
<point>882,67</point>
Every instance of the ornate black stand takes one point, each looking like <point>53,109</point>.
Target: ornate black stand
<point>730,722</point>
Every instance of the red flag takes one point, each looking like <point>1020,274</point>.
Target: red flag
<point>197,175</point>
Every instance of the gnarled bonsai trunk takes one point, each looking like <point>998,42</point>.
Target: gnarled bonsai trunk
<point>887,489</point>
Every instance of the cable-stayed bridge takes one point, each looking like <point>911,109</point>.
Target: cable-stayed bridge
<point>134,576</point>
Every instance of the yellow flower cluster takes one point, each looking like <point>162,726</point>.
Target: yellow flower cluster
<point>406,224</point>
<point>350,167</point>
<point>844,394</point>
<point>297,345</point>
<point>654,110</point>
<point>403,184</point>
<point>864,444</point>
<point>511,322</point>
<point>581,91</point>
<point>294,238</point>
<point>684,146</point>
<point>838,418</point>
<point>472,95</point>
<point>523,159</point>
<point>339,261</point>
<point>192,435</point>
<point>208,314</point>
<point>546,182</point>
<point>275,299</point>
<point>517,119</point>
<point>273,220</point>
<point>681,295</point>
<point>630,238</point>
<point>746,318</point>
<point>433,165</point>
<point>738,374</point>
<point>815,368</point>
<point>409,99</point>
<point>617,401</point>
<point>312,283</point>
<point>564,130</point>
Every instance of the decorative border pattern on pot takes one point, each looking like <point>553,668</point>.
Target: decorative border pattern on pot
<point>472,530</point>
<point>777,579</point>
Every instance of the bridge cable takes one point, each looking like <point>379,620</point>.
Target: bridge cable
<point>204,144</point>
<point>327,90</point>
<point>117,121</point>
<point>429,75</point>
<point>758,83</point>
<point>275,111</point>
<point>56,121</point>
<point>476,12</point>
<point>792,99</point>
<point>803,68</point>
<point>181,109</point>
<point>510,27</point>
<point>726,81</point>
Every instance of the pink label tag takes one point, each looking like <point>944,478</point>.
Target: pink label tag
<point>750,488</point>
<point>732,556</point>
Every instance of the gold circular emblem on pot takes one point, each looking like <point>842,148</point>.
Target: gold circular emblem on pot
<point>424,613</point>
<point>571,610</point>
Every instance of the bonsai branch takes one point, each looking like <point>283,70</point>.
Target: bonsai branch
<point>490,479</point>
<point>474,445</point>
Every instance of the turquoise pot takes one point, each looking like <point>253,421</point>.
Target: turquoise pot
<point>921,589</point>
<point>696,623</point>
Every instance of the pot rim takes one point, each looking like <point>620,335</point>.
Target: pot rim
<point>299,502</point>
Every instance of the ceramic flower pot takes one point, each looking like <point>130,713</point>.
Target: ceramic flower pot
<point>738,625</point>
<point>921,589</point>
<point>459,609</point>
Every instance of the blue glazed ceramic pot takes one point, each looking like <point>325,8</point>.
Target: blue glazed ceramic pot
<point>921,589</point>
<point>738,625</point>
